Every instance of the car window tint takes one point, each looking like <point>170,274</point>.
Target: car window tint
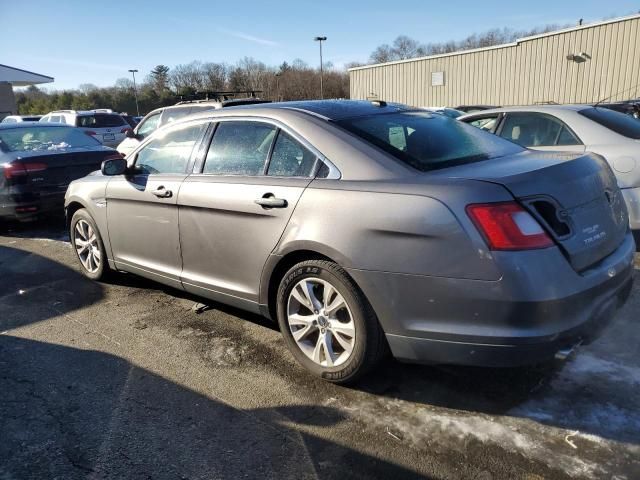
<point>239,148</point>
<point>170,152</point>
<point>290,159</point>
<point>625,125</point>
<point>149,125</point>
<point>427,141</point>
<point>100,120</point>
<point>485,123</point>
<point>534,130</point>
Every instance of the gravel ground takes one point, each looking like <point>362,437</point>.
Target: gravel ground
<point>124,380</point>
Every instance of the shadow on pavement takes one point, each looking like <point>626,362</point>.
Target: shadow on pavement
<point>73,413</point>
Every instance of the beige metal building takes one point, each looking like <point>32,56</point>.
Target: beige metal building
<point>582,64</point>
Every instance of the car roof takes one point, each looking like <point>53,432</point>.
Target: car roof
<point>6,126</point>
<point>326,109</point>
<point>531,108</point>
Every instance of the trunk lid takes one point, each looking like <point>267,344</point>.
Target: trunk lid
<point>52,173</point>
<point>574,196</point>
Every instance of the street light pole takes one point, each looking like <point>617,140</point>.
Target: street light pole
<point>320,40</point>
<point>135,90</point>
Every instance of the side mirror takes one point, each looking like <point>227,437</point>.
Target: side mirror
<point>129,133</point>
<point>114,166</point>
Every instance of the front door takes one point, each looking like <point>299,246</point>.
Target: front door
<point>142,210</point>
<point>233,213</point>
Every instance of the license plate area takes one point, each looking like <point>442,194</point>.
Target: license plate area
<point>108,136</point>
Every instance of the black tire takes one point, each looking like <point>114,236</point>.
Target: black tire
<point>370,343</point>
<point>102,270</point>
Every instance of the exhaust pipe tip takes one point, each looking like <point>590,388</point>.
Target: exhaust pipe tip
<point>564,353</point>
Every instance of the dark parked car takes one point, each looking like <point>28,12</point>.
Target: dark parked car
<point>629,107</point>
<point>362,226</point>
<point>37,162</point>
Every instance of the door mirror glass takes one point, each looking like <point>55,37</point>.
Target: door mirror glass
<point>129,133</point>
<point>114,166</point>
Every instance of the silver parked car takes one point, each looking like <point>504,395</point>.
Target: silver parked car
<point>366,226</point>
<point>575,128</point>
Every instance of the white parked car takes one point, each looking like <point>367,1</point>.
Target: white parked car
<point>161,116</point>
<point>575,128</point>
<point>21,118</point>
<point>102,124</point>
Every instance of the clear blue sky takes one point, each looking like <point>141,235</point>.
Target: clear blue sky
<point>97,42</point>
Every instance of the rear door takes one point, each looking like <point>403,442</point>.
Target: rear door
<point>539,131</point>
<point>142,211</point>
<point>234,210</point>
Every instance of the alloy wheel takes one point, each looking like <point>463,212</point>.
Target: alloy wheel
<point>86,244</point>
<point>320,322</point>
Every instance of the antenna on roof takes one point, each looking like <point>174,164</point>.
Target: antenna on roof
<point>615,95</point>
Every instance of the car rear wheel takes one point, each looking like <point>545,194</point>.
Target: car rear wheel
<point>88,246</point>
<point>327,323</point>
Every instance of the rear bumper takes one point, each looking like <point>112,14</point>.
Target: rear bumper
<point>523,318</point>
<point>25,207</point>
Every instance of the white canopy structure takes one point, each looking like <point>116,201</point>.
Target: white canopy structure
<point>15,77</point>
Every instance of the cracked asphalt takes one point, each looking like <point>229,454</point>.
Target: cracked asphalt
<point>124,380</point>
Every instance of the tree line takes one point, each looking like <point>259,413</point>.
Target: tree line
<point>165,86</point>
<point>288,81</point>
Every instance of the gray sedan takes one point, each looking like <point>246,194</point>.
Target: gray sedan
<point>364,228</point>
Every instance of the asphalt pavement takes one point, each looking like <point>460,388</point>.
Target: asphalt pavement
<point>124,380</point>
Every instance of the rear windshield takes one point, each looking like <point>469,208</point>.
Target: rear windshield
<point>100,120</point>
<point>620,123</point>
<point>44,138</point>
<point>426,141</point>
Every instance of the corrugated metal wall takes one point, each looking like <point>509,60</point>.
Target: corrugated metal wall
<point>529,71</point>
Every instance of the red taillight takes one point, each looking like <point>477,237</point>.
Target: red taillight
<point>91,133</point>
<point>17,169</point>
<point>507,226</point>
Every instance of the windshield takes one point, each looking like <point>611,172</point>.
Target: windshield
<point>426,141</point>
<point>620,123</point>
<point>44,138</point>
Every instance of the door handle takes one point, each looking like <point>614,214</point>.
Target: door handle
<point>269,200</point>
<point>162,192</point>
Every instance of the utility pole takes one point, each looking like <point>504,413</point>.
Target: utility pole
<point>320,40</point>
<point>135,90</point>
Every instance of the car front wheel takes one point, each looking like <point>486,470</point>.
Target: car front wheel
<point>87,244</point>
<point>327,323</point>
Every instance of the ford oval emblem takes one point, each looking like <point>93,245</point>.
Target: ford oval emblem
<point>611,272</point>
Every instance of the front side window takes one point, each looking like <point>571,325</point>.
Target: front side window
<point>148,126</point>
<point>239,148</point>
<point>173,114</point>
<point>536,130</point>
<point>170,151</point>
<point>290,159</point>
<point>620,123</point>
<point>426,141</point>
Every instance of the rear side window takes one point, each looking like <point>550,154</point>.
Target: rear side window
<point>427,141</point>
<point>536,130</point>
<point>290,159</point>
<point>487,123</point>
<point>100,120</point>
<point>618,122</point>
<point>239,148</point>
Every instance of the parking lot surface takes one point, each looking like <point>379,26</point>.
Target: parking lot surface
<point>126,380</point>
